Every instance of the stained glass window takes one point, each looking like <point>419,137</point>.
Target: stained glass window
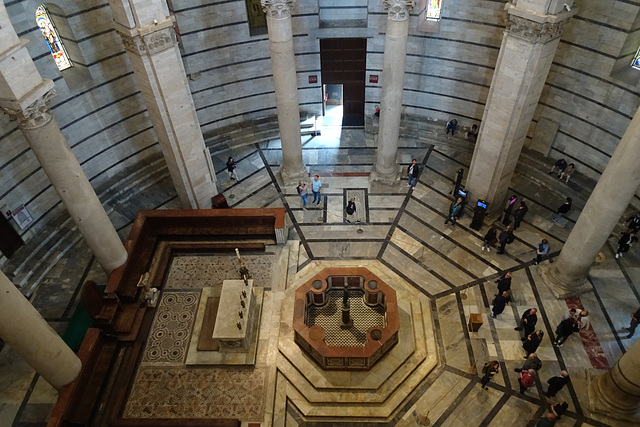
<point>433,9</point>
<point>636,60</point>
<point>52,38</point>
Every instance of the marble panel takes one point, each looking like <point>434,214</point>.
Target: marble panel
<point>474,407</point>
<point>345,250</point>
<point>376,201</point>
<point>340,232</point>
<point>417,274</point>
<point>442,393</point>
<point>516,412</point>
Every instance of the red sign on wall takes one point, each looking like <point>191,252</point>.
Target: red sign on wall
<point>313,79</point>
<point>373,78</point>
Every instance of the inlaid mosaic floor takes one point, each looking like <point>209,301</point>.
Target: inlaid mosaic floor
<point>199,271</point>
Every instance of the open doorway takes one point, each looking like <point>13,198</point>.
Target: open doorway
<point>333,101</point>
<point>343,64</point>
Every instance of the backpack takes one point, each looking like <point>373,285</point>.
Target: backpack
<point>299,190</point>
<point>486,367</point>
<point>511,238</point>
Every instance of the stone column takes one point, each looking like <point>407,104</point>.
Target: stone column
<point>285,81</point>
<point>386,168</point>
<point>534,28</point>
<point>610,197</point>
<point>26,96</point>
<point>616,393</point>
<point>29,335</point>
<point>146,28</point>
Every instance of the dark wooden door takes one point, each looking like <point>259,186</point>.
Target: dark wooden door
<point>10,240</point>
<point>344,61</point>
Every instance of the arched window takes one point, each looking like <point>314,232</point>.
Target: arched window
<point>52,38</point>
<point>433,10</point>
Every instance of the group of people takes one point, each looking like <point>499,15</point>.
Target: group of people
<point>563,169</point>
<point>472,134</point>
<point>316,185</point>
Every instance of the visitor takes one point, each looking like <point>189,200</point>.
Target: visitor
<point>413,172</point>
<point>302,191</point>
<point>563,209</point>
<point>351,210</point>
<point>316,185</point>
<point>472,135</point>
<point>568,172</point>
<point>489,370</point>
<point>231,168</point>
<point>452,125</point>
<point>559,167</point>
<point>541,251</point>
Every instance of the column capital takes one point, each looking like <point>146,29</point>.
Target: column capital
<point>35,114</point>
<point>533,31</point>
<point>399,10</point>
<point>150,41</point>
<point>277,9</point>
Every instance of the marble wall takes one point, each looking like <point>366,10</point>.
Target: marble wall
<point>103,116</point>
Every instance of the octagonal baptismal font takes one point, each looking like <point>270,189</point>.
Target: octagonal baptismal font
<point>346,319</point>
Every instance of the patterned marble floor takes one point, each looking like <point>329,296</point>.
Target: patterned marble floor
<point>404,230</point>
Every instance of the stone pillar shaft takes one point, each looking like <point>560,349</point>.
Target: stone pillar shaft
<point>27,98</point>
<point>29,335</point>
<point>285,80</point>
<point>617,392</point>
<point>611,196</point>
<point>528,47</point>
<point>147,31</point>
<point>386,167</point>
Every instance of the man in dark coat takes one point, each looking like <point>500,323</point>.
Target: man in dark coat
<point>499,303</point>
<point>635,319</point>
<point>531,343</point>
<point>454,211</point>
<point>563,209</point>
<point>528,321</point>
<point>557,383</point>
<point>519,214</point>
<point>504,283</point>
<point>505,238</point>
<point>413,173</point>
<point>532,362</point>
<point>564,330</point>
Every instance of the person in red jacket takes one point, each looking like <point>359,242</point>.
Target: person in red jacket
<point>527,379</point>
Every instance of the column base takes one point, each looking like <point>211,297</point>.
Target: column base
<point>560,288</point>
<point>601,406</point>
<point>383,177</point>
<point>293,177</point>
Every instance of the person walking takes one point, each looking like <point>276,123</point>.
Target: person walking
<point>351,210</point>
<point>452,125</point>
<point>527,379</point>
<point>454,211</point>
<point>532,342</point>
<point>504,282</point>
<point>568,172</point>
<point>563,209</point>
<point>541,251</point>
<point>489,370</point>
<point>635,319</point>
<point>413,173</point>
<point>499,303</point>
<point>231,168</point>
<point>558,409</point>
<point>532,362</point>
<point>519,214</point>
<point>490,238</point>
<point>557,383</point>
<point>302,191</point>
<point>634,223</point>
<point>528,321</point>
<point>564,330</point>
<point>625,242</point>
<point>316,185</point>
<point>505,238</point>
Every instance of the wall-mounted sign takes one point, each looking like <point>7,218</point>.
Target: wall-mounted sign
<point>22,217</point>
<point>313,79</point>
<point>373,78</point>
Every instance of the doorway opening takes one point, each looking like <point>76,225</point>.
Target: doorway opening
<point>343,65</point>
<point>332,105</point>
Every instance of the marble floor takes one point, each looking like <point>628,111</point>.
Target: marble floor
<point>403,231</point>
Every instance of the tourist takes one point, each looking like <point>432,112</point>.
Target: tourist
<point>472,135</point>
<point>413,172</point>
<point>351,210</point>
<point>490,239</point>
<point>563,209</point>
<point>499,303</point>
<point>527,379</point>
<point>528,321</point>
<point>583,320</point>
<point>505,238</point>
<point>559,167</point>
<point>635,319</point>
<point>316,185</point>
<point>558,409</point>
<point>625,242</point>
<point>452,125</point>
<point>454,211</point>
<point>532,342</point>
<point>231,168</point>
<point>548,420</point>
<point>504,282</point>
<point>564,330</point>
<point>489,370</point>
<point>519,214</point>
<point>557,383</point>
<point>541,251</point>
<point>532,362</point>
<point>568,172</point>
<point>302,191</point>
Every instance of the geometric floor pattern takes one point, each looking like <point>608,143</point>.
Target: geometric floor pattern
<point>185,392</point>
<point>329,317</point>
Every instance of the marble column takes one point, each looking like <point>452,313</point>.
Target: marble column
<point>31,337</point>
<point>386,168</point>
<point>283,66</point>
<point>606,205</point>
<point>146,28</point>
<point>616,393</point>
<point>529,44</point>
<point>26,96</point>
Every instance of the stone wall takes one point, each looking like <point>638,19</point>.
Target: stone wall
<point>103,116</point>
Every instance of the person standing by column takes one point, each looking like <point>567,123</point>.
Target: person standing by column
<point>302,191</point>
<point>505,238</point>
<point>316,185</point>
<point>489,370</point>
<point>519,214</point>
<point>413,173</point>
<point>635,319</point>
